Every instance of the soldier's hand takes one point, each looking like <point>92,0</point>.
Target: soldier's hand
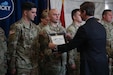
<point>52,46</point>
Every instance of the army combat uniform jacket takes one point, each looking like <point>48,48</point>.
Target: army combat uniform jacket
<point>54,63</point>
<point>109,31</point>
<point>3,53</point>
<point>73,55</point>
<point>40,26</point>
<point>23,45</point>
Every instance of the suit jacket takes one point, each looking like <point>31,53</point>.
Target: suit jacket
<point>90,40</point>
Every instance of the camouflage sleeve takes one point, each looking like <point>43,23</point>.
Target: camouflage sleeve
<point>12,44</point>
<point>35,46</point>
<point>3,48</point>
<point>71,55</point>
<point>63,29</point>
<point>111,43</point>
<point>109,48</point>
<point>70,30</point>
<point>38,28</point>
<point>44,40</point>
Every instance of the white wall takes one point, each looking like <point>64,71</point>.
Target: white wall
<point>69,5</point>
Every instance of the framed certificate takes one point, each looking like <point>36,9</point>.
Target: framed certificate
<point>57,39</point>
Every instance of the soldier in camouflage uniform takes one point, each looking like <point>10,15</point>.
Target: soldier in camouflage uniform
<point>44,20</point>
<point>55,64</point>
<point>40,26</point>
<point>106,21</point>
<point>3,50</point>
<point>73,55</point>
<point>23,44</point>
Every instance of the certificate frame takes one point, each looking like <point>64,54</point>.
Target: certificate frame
<point>58,38</point>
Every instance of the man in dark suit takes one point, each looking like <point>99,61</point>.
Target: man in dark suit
<point>90,40</point>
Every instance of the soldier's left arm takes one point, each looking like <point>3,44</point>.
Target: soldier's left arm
<point>12,45</point>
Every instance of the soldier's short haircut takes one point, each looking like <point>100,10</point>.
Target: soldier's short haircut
<point>89,7</point>
<point>105,11</point>
<point>28,6</point>
<point>74,12</point>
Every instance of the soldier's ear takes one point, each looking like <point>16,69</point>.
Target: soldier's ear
<point>25,12</point>
<point>104,16</point>
<point>74,17</point>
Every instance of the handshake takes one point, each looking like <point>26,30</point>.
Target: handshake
<point>58,41</point>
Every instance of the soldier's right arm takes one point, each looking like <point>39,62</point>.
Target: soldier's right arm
<point>44,41</point>
<point>12,45</point>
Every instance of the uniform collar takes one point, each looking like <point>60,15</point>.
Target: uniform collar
<point>26,25</point>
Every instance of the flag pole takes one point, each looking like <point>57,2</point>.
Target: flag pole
<point>62,19</point>
<point>48,3</point>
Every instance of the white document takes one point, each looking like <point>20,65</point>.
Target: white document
<point>58,39</point>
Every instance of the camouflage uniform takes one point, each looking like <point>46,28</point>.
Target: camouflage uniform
<point>23,48</point>
<point>109,31</point>
<point>109,47</point>
<point>73,55</point>
<point>3,50</point>
<point>41,54</point>
<point>55,64</point>
<point>40,26</point>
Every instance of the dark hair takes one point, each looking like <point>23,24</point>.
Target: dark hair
<point>28,6</point>
<point>105,11</point>
<point>89,7</point>
<point>74,12</point>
